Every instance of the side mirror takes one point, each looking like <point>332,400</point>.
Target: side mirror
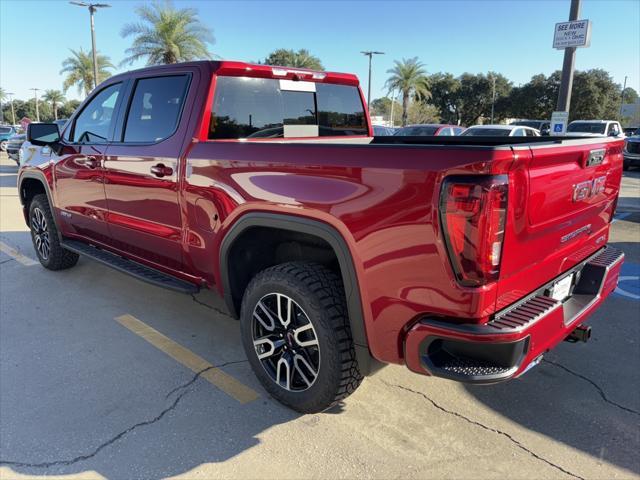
<point>614,133</point>
<point>43,134</point>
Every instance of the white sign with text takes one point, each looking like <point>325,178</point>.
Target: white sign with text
<point>576,33</point>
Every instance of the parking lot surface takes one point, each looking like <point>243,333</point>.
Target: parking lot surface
<point>103,376</point>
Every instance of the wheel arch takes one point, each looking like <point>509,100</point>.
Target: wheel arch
<point>323,232</point>
<point>31,184</point>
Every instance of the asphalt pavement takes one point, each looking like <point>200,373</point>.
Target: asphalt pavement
<point>103,376</point>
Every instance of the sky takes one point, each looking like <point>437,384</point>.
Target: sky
<point>513,37</point>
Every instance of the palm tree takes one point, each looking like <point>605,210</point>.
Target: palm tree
<point>290,58</point>
<point>409,77</point>
<point>79,70</point>
<point>56,98</point>
<point>167,35</point>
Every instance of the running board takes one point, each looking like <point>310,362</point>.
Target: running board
<point>137,270</point>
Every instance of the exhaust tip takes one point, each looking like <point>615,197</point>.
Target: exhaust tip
<point>582,333</point>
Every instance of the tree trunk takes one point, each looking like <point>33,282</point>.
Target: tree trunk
<point>405,107</point>
<point>55,110</point>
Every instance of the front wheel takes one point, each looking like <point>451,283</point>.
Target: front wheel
<point>3,145</point>
<point>45,236</point>
<point>295,332</point>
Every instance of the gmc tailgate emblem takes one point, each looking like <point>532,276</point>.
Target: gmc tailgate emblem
<point>590,188</point>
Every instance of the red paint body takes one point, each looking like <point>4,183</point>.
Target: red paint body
<point>382,199</point>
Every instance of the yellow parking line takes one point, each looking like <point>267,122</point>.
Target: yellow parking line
<point>186,357</point>
<point>17,256</point>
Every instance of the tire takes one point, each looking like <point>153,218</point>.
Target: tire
<point>626,166</point>
<point>3,145</point>
<point>309,294</point>
<point>44,235</point>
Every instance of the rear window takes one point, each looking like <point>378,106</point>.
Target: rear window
<point>267,108</point>
<point>486,132</point>
<point>586,127</point>
<point>417,131</point>
<point>155,108</point>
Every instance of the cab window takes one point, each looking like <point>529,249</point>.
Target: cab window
<point>94,122</point>
<point>155,108</point>
<point>250,108</point>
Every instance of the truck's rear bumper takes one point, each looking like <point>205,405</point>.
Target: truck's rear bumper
<point>516,337</point>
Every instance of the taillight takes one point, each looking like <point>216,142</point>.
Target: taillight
<point>473,212</point>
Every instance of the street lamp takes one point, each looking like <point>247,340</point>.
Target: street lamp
<point>13,112</point>
<point>370,53</point>
<point>622,96</point>
<point>35,94</point>
<point>92,8</point>
<point>493,99</point>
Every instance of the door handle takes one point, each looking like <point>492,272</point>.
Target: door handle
<point>160,170</point>
<point>91,162</point>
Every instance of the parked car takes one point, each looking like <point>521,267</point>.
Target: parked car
<point>631,152</point>
<point>543,126</point>
<point>338,251</point>
<point>27,150</point>
<point>13,146</point>
<point>6,132</point>
<point>500,131</point>
<point>381,130</point>
<point>595,128</point>
<point>428,130</point>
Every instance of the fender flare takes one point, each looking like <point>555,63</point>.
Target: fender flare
<point>335,240</point>
<point>43,180</point>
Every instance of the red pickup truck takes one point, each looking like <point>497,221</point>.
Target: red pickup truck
<point>460,257</point>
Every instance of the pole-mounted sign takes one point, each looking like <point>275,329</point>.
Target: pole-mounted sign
<point>576,33</point>
<point>559,122</point>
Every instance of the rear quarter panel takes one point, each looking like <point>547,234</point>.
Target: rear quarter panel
<point>382,200</point>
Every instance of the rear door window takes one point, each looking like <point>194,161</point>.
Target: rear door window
<point>155,108</point>
<point>266,108</point>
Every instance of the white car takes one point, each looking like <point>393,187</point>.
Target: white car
<point>27,151</point>
<point>500,131</point>
<point>595,128</point>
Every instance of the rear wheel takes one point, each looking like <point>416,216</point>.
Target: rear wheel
<point>44,235</point>
<point>295,332</point>
<point>3,145</point>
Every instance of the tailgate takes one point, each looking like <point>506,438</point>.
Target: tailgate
<point>561,199</point>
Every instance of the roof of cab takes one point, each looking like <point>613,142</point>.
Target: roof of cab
<point>243,69</point>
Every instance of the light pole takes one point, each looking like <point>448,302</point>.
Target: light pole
<point>493,101</point>
<point>566,83</point>
<point>35,94</point>
<point>92,9</point>
<point>370,54</point>
<point>622,99</point>
<point>13,112</point>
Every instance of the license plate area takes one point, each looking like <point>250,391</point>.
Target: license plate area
<point>561,290</point>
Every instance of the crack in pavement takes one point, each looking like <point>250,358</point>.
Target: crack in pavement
<point>594,384</point>
<point>485,427</point>
<point>210,307</point>
<point>199,374</point>
<point>120,435</point>
<point>7,260</point>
